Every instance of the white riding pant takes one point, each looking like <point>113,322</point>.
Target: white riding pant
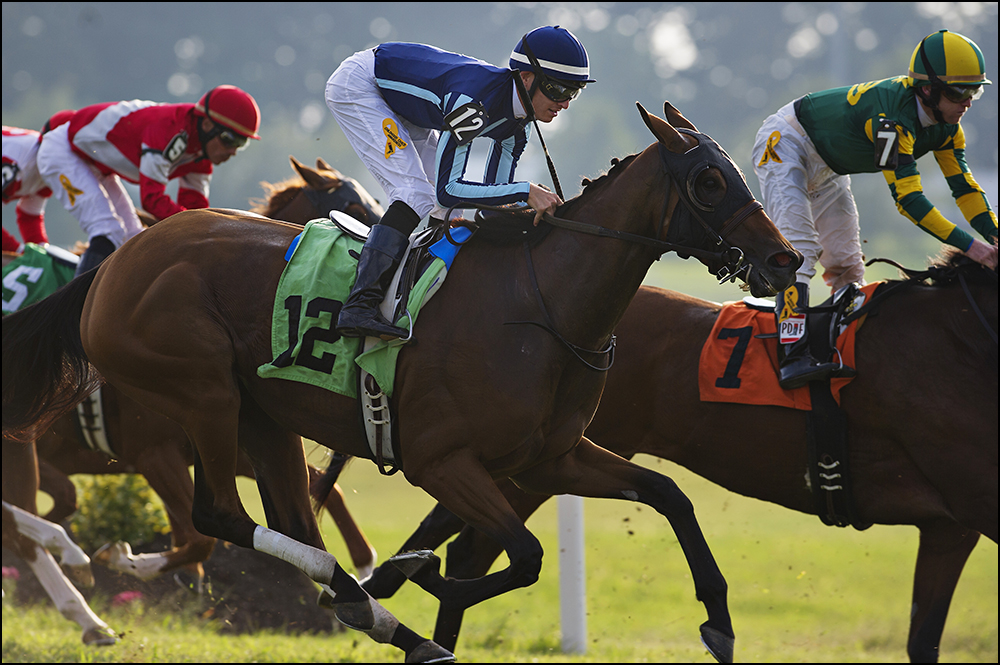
<point>406,173</point>
<point>811,205</point>
<point>99,202</point>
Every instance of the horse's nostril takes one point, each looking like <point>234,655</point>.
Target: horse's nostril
<point>781,259</point>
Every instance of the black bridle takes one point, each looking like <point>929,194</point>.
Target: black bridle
<point>724,218</point>
<point>340,197</point>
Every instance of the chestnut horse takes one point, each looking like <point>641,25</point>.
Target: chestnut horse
<point>178,319</point>
<point>147,443</point>
<point>910,464</point>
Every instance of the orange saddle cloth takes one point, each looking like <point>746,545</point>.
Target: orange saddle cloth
<point>736,366</point>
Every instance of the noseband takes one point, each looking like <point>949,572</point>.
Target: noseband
<point>724,218</point>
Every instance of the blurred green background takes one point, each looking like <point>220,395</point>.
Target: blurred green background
<point>726,65</point>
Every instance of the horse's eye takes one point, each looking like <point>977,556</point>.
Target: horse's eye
<point>709,188</point>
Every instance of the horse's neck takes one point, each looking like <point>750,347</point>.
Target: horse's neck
<point>596,277</point>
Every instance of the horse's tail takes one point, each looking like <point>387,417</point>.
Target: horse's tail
<point>45,369</point>
<point>322,484</point>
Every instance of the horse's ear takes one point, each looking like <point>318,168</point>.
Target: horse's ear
<point>313,178</point>
<point>675,118</point>
<point>323,166</point>
<point>665,134</point>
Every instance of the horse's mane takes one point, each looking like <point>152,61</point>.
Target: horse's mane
<point>502,227</point>
<point>617,166</point>
<point>946,268</point>
<point>277,196</point>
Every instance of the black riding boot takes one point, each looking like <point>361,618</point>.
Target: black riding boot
<point>796,364</point>
<point>99,249</point>
<point>380,257</point>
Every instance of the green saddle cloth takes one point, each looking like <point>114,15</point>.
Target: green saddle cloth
<point>32,276</point>
<point>315,282</point>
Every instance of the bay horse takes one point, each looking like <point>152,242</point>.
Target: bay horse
<point>177,319</point>
<point>149,444</point>
<point>924,457</point>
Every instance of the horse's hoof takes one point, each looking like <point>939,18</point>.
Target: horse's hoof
<point>190,581</point>
<point>430,652</point>
<point>325,600</point>
<point>111,553</point>
<point>81,576</point>
<point>413,563</point>
<point>718,643</point>
<point>100,637</point>
<point>358,615</point>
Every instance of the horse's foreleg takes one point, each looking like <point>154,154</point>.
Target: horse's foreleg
<point>591,471</point>
<point>439,525</point>
<point>944,549</point>
<point>461,484</point>
<point>282,479</point>
<point>471,554</point>
<point>54,538</point>
<point>68,600</point>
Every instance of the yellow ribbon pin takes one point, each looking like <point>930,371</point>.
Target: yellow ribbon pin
<point>392,142</point>
<point>770,152</point>
<point>72,191</point>
<point>791,303</point>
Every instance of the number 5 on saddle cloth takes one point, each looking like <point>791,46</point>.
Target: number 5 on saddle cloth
<point>315,283</point>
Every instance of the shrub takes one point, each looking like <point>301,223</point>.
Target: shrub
<point>116,507</point>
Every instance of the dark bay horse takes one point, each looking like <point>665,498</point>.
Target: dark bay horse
<point>926,457</point>
<point>178,319</point>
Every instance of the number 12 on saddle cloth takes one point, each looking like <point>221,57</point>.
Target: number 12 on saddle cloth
<point>738,366</point>
<point>314,284</point>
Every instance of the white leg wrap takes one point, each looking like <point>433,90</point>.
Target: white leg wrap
<point>315,563</point>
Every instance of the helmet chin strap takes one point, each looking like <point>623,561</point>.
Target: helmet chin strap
<point>530,108</point>
<point>933,100</point>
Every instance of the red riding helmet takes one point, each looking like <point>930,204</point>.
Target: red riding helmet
<point>231,107</point>
<point>60,118</point>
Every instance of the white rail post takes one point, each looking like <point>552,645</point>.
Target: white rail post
<point>572,575</point>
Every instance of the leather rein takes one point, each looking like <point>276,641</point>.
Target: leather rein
<point>732,258</point>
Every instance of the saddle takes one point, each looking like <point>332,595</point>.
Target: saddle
<point>826,424</point>
<point>429,242</point>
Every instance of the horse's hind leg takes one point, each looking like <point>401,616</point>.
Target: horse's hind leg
<point>944,549</point>
<point>280,468</point>
<point>591,471</point>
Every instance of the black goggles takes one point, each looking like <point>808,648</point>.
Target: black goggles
<point>556,91</point>
<point>961,93</point>
<point>230,139</point>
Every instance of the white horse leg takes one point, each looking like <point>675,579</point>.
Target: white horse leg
<point>118,556</point>
<point>70,603</point>
<point>54,538</point>
<point>320,566</point>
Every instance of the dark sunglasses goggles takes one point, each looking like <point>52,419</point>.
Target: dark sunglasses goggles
<point>230,139</point>
<point>961,93</point>
<point>558,92</point>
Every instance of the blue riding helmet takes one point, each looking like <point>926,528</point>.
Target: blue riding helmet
<point>560,55</point>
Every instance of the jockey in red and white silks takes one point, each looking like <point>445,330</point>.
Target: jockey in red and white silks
<point>22,183</point>
<point>146,143</point>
